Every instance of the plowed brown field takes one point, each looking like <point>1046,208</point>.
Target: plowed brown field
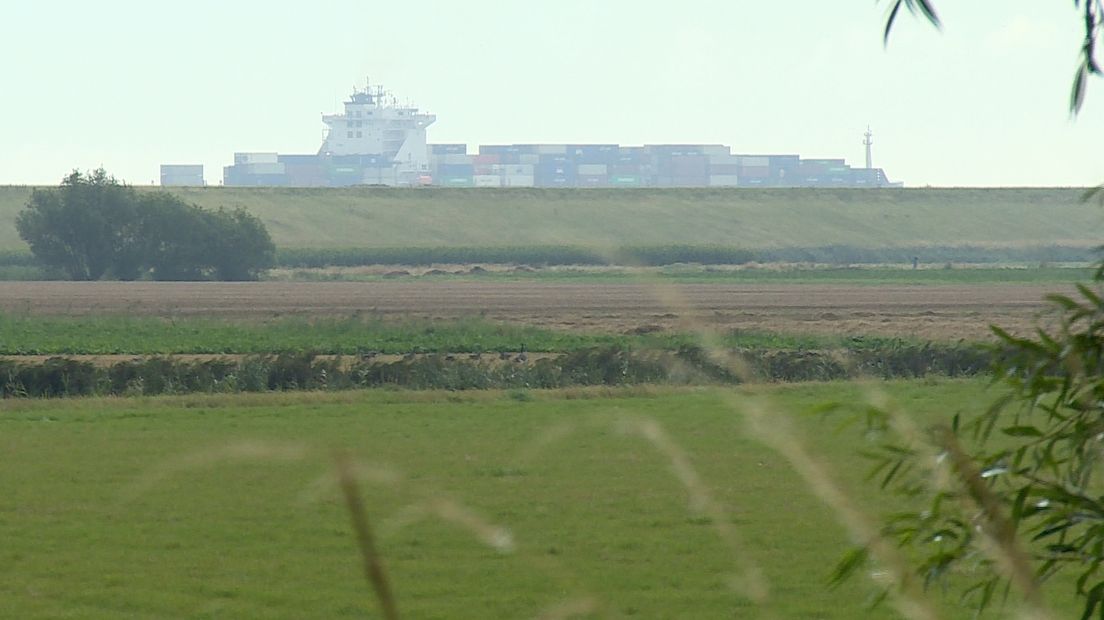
<point>937,312</point>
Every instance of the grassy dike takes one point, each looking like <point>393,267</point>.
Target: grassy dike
<point>741,218</point>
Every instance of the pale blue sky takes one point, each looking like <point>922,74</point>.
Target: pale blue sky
<point>131,85</point>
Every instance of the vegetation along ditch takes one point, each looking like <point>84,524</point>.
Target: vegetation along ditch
<point>606,365</point>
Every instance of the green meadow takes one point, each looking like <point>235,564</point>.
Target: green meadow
<point>642,502</point>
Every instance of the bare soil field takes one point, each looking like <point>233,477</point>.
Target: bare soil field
<point>933,312</point>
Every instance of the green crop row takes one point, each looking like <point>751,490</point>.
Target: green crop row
<point>28,335</point>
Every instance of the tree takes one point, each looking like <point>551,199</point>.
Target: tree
<point>86,228</point>
<point>1010,497</point>
<point>92,227</point>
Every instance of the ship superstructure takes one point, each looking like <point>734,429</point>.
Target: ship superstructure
<point>374,124</point>
<point>374,141</point>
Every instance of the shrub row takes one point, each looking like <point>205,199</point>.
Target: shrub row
<point>526,255</point>
<point>852,255</point>
<point>594,366</point>
<point>658,255</point>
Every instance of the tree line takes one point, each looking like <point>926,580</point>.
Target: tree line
<point>93,227</point>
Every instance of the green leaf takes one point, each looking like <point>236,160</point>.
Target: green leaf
<point>847,566</point>
<point>1022,431</point>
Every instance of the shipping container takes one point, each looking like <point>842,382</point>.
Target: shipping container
<point>723,180</point>
<point>487,180</point>
<point>723,160</point>
<point>531,159</point>
<point>684,166</point>
<point>673,150</point>
<point>182,175</point>
<point>453,159</point>
<point>264,168</point>
<point>622,180</point>
<point>448,149</point>
<point>754,161</point>
<point>592,169</point>
<point>754,172</point>
<point>625,169</point>
<point>301,160</point>
<point>455,170</point>
<point>553,159</point>
<point>723,169</point>
<point>454,181</point>
<point>256,158</point>
<point>485,160</point>
<point>551,149</point>
<point>519,180</point>
<point>784,161</point>
<point>715,150</point>
<point>360,160</point>
<point>592,180</point>
<point>690,181</point>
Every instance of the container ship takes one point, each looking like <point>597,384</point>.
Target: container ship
<point>376,141</point>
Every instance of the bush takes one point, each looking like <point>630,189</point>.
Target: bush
<point>92,226</point>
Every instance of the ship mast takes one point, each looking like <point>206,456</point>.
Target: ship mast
<point>868,141</point>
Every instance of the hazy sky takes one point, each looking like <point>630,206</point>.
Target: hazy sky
<point>131,85</point>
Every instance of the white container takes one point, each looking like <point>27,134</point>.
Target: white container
<point>255,158</point>
<point>715,150</point>
<point>551,149</point>
<point>487,180</point>
<point>723,180</point>
<point>519,180</point>
<point>529,159</point>
<point>592,169</point>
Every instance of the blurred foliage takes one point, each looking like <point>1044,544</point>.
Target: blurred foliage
<point>1009,497</point>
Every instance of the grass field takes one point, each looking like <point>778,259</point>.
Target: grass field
<point>748,218</point>
<point>487,505</point>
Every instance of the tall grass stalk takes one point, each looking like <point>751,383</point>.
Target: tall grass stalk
<point>373,563</point>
